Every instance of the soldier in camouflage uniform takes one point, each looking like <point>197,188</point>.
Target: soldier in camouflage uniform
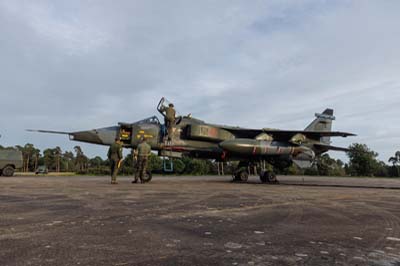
<point>115,156</point>
<point>143,152</point>
<point>169,118</point>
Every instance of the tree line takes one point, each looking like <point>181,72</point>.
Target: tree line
<point>362,162</point>
<point>53,158</point>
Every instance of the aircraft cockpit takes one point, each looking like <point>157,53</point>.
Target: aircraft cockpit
<point>149,120</point>
<point>163,104</point>
<point>132,133</point>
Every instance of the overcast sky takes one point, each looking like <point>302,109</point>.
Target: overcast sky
<point>74,65</point>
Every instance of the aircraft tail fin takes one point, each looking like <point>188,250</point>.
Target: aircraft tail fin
<point>322,122</point>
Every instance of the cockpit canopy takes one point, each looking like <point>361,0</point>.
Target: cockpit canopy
<point>150,120</point>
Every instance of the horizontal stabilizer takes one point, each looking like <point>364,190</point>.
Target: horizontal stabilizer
<point>49,131</point>
<point>315,134</point>
<point>329,147</point>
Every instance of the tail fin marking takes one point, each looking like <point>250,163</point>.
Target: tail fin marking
<point>322,122</point>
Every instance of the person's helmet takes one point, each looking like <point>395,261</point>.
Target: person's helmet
<point>171,105</point>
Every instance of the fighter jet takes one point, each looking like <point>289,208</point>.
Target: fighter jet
<point>198,139</point>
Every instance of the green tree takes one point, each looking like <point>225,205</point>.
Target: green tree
<point>96,166</point>
<point>57,155</point>
<point>381,169</point>
<point>81,160</point>
<point>96,162</point>
<point>395,160</point>
<point>293,169</point>
<point>49,158</point>
<point>68,161</point>
<point>28,153</point>
<point>362,160</point>
<point>324,165</point>
<point>36,157</point>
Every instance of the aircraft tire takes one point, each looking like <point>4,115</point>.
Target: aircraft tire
<point>263,178</point>
<point>243,176</point>
<point>272,178</point>
<point>147,178</point>
<point>8,171</point>
<point>268,177</point>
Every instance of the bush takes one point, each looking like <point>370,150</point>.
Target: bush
<point>362,161</point>
<point>197,167</point>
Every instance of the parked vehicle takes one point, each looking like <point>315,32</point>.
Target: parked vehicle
<point>9,161</point>
<point>42,169</point>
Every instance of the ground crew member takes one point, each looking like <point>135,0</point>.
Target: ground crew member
<point>143,152</point>
<point>169,118</point>
<point>115,156</point>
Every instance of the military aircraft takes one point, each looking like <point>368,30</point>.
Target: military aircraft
<point>196,138</point>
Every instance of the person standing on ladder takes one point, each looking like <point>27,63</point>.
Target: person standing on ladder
<point>169,118</point>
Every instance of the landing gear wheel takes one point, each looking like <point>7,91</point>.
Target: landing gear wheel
<point>272,178</point>
<point>147,177</point>
<point>263,177</point>
<point>241,176</point>
<point>8,171</point>
<point>268,177</point>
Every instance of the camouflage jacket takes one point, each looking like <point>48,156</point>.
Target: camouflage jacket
<point>169,113</point>
<point>144,149</point>
<point>115,152</point>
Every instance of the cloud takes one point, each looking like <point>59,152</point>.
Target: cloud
<point>83,64</point>
<point>60,27</point>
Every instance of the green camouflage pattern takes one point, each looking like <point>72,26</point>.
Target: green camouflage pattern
<point>144,149</point>
<point>195,138</point>
<point>115,156</point>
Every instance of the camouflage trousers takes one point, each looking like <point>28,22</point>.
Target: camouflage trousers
<point>141,167</point>
<point>114,170</point>
<point>169,125</point>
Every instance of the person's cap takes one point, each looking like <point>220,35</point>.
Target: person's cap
<point>171,105</point>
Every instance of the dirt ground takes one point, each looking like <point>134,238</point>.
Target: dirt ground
<point>199,221</point>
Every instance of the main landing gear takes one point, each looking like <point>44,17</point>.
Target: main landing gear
<point>268,177</point>
<point>243,171</point>
<point>267,174</point>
